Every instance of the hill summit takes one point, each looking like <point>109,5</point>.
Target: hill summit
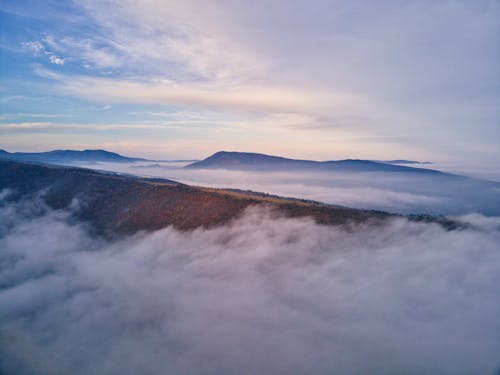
<point>261,162</point>
<point>67,156</point>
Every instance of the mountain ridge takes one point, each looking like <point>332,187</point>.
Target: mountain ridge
<point>115,204</point>
<point>62,156</point>
<point>254,161</point>
<point>404,161</point>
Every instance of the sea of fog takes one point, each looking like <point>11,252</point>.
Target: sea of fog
<point>394,192</point>
<point>260,295</point>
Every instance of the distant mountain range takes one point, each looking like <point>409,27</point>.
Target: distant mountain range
<point>223,160</point>
<point>68,156</point>
<point>114,204</point>
<point>261,162</point>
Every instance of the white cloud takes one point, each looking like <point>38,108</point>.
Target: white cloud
<point>90,54</point>
<point>56,60</point>
<point>264,294</point>
<point>54,127</point>
<point>169,40</point>
<point>33,115</point>
<point>46,73</point>
<point>394,192</point>
<point>264,98</point>
<point>35,47</point>
<point>27,125</point>
<point>46,48</point>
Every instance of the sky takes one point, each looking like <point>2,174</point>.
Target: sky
<point>309,79</point>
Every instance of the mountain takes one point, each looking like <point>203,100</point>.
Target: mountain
<point>261,162</point>
<point>402,161</point>
<point>67,156</point>
<point>114,204</point>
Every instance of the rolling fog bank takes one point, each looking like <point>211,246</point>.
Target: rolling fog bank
<point>394,192</point>
<point>259,295</point>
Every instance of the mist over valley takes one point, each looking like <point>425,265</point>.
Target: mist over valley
<point>114,274</point>
<point>359,183</point>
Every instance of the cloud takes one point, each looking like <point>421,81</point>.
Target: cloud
<point>238,98</point>
<point>41,71</point>
<point>44,48</point>
<point>54,127</point>
<point>26,125</point>
<point>386,51</point>
<point>11,98</point>
<point>173,41</point>
<point>91,53</point>
<point>393,192</point>
<point>56,60</point>
<point>263,295</point>
<point>31,115</point>
<point>35,47</point>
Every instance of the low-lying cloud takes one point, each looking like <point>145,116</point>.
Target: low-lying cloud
<point>262,295</point>
<point>394,192</point>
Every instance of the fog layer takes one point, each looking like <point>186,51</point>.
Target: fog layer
<point>395,192</point>
<point>262,295</point>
